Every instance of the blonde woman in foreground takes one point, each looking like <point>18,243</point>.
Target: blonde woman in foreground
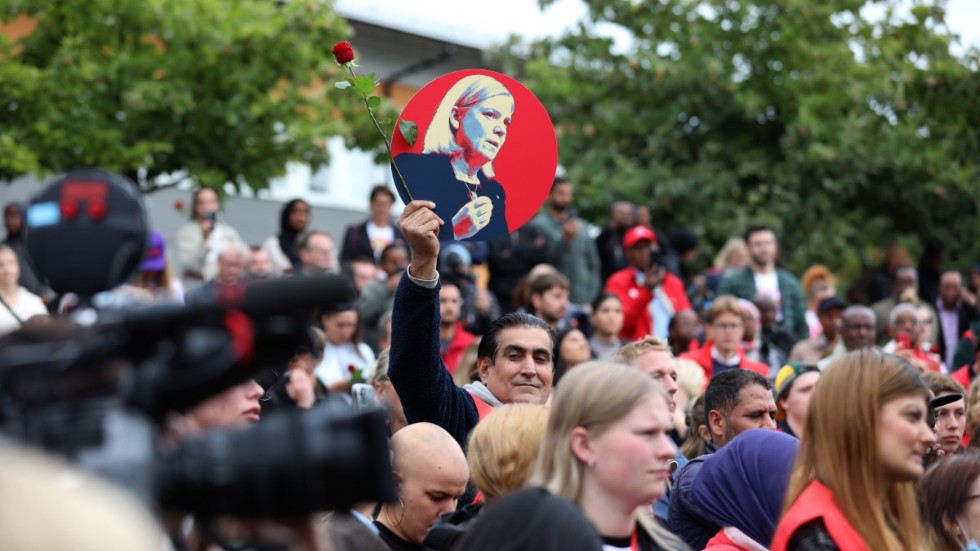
<point>606,449</point>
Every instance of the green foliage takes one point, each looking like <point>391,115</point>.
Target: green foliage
<point>409,130</point>
<point>847,134</point>
<point>226,90</point>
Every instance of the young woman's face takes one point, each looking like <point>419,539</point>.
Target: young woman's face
<point>630,458</point>
<point>950,424</point>
<point>726,332</point>
<point>608,318</point>
<point>574,348</point>
<point>903,437</point>
<point>339,328</point>
<point>299,216</point>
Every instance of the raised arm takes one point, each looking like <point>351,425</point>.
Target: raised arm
<point>423,383</point>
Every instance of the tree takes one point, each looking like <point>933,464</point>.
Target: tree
<point>215,90</point>
<point>846,133</point>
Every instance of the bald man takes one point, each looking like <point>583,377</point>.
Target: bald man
<point>431,473</point>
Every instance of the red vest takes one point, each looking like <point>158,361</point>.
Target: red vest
<point>702,356</point>
<point>721,542</point>
<point>482,410</point>
<point>461,339</point>
<point>817,501</point>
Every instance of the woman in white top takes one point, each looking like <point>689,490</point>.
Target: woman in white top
<point>19,304</point>
<point>346,360</point>
<point>201,239</point>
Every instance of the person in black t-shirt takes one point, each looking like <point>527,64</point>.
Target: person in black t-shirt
<point>430,473</point>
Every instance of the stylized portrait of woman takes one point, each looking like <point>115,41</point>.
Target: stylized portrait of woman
<point>455,168</point>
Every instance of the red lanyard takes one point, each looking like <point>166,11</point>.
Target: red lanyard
<point>635,541</point>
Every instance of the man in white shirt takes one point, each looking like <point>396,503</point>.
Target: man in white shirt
<point>763,278</point>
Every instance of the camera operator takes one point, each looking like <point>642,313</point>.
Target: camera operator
<point>236,407</point>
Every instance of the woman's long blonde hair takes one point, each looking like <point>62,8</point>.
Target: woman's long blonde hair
<point>503,448</point>
<point>594,396</point>
<point>839,448</point>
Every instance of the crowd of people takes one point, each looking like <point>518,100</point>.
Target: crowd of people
<point>569,386</point>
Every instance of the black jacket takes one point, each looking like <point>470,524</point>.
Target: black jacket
<point>450,528</point>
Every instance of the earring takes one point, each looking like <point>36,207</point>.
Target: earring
<point>591,463</point>
<point>402,516</point>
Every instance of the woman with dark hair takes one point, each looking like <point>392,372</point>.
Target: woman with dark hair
<point>293,220</point>
<point>949,502</point>
<point>371,237</point>
<point>864,437</point>
<point>573,349</point>
<point>607,322</point>
<point>346,360</point>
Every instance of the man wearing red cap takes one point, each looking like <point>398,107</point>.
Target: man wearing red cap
<point>636,284</point>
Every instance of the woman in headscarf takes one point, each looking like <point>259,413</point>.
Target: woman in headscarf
<point>293,220</point>
<point>740,488</point>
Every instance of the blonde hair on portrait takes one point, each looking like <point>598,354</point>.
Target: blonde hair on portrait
<point>503,448</point>
<point>839,447</point>
<point>594,396</point>
<point>467,92</point>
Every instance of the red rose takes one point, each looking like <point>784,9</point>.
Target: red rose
<point>179,205</point>
<point>351,368</point>
<point>343,52</point>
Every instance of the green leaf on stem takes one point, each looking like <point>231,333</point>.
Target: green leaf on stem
<point>342,85</point>
<point>386,121</point>
<point>409,130</point>
<point>374,102</point>
<point>364,85</point>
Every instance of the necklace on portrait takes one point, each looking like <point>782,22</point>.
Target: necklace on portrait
<point>471,191</point>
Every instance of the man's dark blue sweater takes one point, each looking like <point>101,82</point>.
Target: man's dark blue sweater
<point>424,385</point>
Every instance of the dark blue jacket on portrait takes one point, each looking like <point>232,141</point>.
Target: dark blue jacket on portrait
<point>431,177</point>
